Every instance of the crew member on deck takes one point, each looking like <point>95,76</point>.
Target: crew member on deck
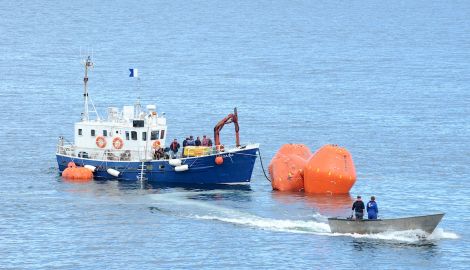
<point>205,142</point>
<point>174,147</point>
<point>358,208</point>
<point>197,142</point>
<point>185,143</point>
<point>158,153</point>
<point>191,141</point>
<point>372,209</point>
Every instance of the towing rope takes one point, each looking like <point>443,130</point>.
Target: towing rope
<point>262,166</point>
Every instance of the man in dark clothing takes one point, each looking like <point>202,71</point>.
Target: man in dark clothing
<point>174,147</point>
<point>358,208</point>
<point>209,142</point>
<point>185,143</point>
<point>191,141</point>
<point>198,141</point>
<point>372,209</point>
<point>158,153</point>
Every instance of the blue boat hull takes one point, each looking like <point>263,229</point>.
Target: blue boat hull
<point>236,168</point>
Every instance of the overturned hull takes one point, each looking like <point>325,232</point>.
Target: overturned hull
<point>368,226</point>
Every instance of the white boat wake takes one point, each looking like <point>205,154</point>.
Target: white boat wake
<point>317,224</point>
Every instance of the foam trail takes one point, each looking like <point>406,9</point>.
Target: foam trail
<point>409,236</point>
<point>441,234</point>
<point>398,236</point>
<point>294,226</point>
<point>319,225</point>
<point>237,217</point>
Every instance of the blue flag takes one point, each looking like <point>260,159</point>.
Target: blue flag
<point>134,72</point>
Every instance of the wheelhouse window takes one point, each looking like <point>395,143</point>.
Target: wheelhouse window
<point>80,131</point>
<point>105,133</point>
<point>144,136</point>
<point>93,133</point>
<point>127,135</point>
<point>134,135</point>
<point>154,135</point>
<point>162,134</point>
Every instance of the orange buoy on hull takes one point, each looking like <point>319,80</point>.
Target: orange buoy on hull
<point>77,174</point>
<point>330,170</point>
<point>287,167</point>
<point>219,160</point>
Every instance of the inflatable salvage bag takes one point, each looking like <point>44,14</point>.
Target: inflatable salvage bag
<point>330,170</point>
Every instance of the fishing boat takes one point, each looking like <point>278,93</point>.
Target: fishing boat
<point>425,223</point>
<point>123,146</point>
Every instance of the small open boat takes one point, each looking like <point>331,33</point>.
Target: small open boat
<point>366,226</point>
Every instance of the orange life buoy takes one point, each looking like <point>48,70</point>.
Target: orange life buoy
<point>156,144</point>
<point>100,141</point>
<point>219,160</point>
<point>118,143</point>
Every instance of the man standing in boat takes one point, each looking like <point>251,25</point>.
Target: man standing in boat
<point>204,142</point>
<point>174,147</point>
<point>372,209</point>
<point>358,208</point>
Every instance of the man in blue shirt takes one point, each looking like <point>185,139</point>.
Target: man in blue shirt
<point>372,209</point>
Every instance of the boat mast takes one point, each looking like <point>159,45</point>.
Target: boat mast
<point>88,64</point>
<point>86,111</point>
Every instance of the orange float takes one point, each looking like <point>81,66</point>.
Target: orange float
<point>330,170</point>
<point>77,174</point>
<point>287,173</point>
<point>219,160</point>
<point>287,166</point>
<point>300,150</point>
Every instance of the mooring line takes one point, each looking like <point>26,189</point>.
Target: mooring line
<point>262,166</point>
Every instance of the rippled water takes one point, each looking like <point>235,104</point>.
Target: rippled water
<point>387,80</point>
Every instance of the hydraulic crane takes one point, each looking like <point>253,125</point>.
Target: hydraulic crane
<point>231,118</point>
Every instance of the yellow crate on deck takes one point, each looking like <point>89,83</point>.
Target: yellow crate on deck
<point>195,151</point>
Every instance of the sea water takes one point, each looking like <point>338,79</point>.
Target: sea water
<point>388,80</point>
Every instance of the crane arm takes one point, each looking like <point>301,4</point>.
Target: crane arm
<point>231,118</point>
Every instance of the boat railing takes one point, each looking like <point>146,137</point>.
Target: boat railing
<point>139,155</point>
<point>103,154</point>
<point>214,150</point>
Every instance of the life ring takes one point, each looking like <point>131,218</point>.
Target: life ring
<point>118,143</point>
<point>156,144</point>
<point>100,141</point>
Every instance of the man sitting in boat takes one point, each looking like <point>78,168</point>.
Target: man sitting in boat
<point>126,155</point>
<point>158,153</point>
<point>358,208</point>
<point>372,209</point>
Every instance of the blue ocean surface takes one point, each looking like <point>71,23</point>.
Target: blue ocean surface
<point>388,80</point>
